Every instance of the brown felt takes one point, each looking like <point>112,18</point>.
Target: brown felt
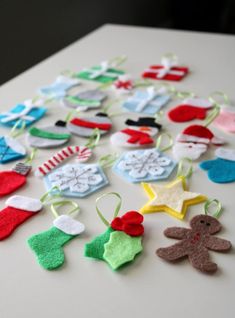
<point>195,243</point>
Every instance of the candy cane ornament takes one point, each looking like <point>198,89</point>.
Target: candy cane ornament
<point>83,154</point>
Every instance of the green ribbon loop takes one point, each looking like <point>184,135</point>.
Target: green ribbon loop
<point>217,106</point>
<point>225,99</point>
<point>118,60</point>
<point>68,73</point>
<point>182,166</point>
<point>49,196</point>
<point>32,155</point>
<point>59,204</point>
<point>159,115</point>
<point>184,94</point>
<point>170,56</point>
<point>104,86</point>
<point>70,114</point>
<point>107,160</point>
<point>94,139</point>
<point>218,206</point>
<point>116,211</point>
<point>160,141</point>
<point>143,83</point>
<point>106,108</point>
<point>14,133</point>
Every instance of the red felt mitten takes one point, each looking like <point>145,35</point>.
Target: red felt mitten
<point>130,223</point>
<point>191,108</point>
<point>18,210</point>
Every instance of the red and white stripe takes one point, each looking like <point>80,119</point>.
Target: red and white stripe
<point>83,154</point>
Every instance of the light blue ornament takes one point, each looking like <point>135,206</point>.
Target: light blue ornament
<point>77,180</point>
<point>147,102</point>
<point>10,149</point>
<point>59,88</point>
<point>221,169</point>
<point>144,166</point>
<point>24,114</point>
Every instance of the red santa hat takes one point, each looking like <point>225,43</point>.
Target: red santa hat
<point>199,134</point>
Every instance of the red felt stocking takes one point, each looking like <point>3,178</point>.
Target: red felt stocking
<point>18,210</point>
<point>13,180</point>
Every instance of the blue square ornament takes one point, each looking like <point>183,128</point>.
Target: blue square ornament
<point>148,102</point>
<point>23,114</point>
<point>77,180</point>
<point>144,165</point>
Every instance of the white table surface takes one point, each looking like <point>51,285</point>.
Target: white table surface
<point>149,287</point>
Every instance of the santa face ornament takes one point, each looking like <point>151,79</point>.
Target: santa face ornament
<point>85,100</point>
<point>139,133</point>
<point>49,136</point>
<point>144,165</point>
<point>85,126</point>
<point>193,142</point>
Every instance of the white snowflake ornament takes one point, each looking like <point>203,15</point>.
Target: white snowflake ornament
<point>77,180</point>
<point>144,165</point>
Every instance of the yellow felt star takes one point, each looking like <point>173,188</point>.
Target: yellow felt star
<point>172,198</point>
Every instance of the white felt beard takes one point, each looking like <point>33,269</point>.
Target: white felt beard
<point>188,150</point>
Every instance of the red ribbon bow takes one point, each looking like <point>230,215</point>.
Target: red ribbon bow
<point>130,223</point>
<point>126,85</point>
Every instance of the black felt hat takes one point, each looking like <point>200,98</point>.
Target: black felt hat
<point>143,121</point>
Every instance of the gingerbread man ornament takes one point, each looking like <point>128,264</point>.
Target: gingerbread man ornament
<point>195,243</point>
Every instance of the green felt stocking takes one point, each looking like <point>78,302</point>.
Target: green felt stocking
<point>48,245</point>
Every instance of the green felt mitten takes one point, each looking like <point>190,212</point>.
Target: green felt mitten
<point>48,245</point>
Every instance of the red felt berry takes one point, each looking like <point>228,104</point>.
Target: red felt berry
<point>133,229</point>
<point>132,217</point>
<point>117,224</point>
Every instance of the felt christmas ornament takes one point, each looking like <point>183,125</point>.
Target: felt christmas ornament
<point>85,126</point>
<point>149,101</point>
<point>60,87</point>
<point>49,136</point>
<point>168,70</point>
<point>79,180</point>
<point>18,209</point>
<point>195,243</point>
<point>221,169</point>
<point>48,245</point>
<point>103,73</point>
<point>194,141</point>
<point>11,180</point>
<point>23,114</point>
<point>85,100</point>
<point>144,165</point>
<point>190,109</point>
<point>173,198</point>
<point>138,134</point>
<point>121,241</point>
<point>10,149</point>
<point>226,120</point>
<point>123,85</point>
<point>83,154</point>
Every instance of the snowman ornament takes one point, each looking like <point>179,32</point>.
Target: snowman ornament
<point>139,133</point>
